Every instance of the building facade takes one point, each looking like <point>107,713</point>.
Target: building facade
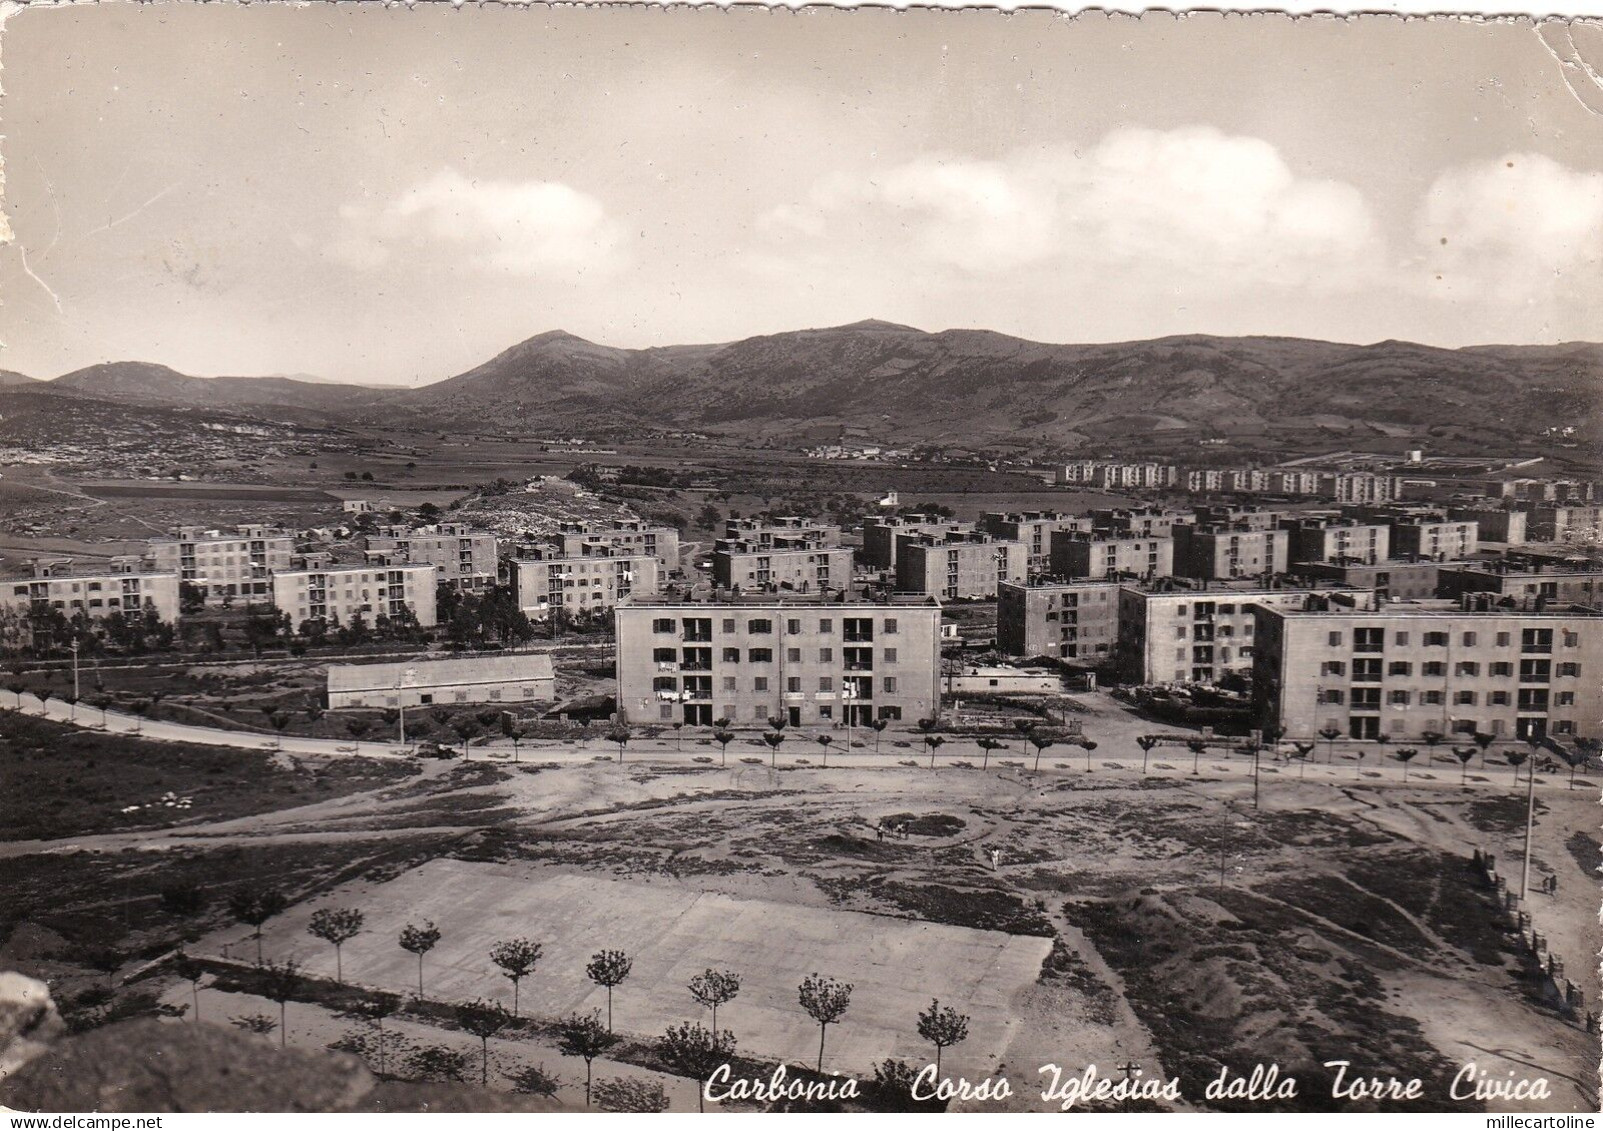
<point>631,535</point>
<point>881,531</point>
<point>519,677</point>
<point>97,591</point>
<point>1076,553</point>
<point>223,565</point>
<point>813,662</point>
<point>1391,581</point>
<point>1436,537</point>
<point>1222,552</point>
<point>1405,671</point>
<point>1171,633</point>
<point>968,565</point>
<point>804,562</point>
<point>1524,582</point>
<point>1493,524</point>
<point>463,558</point>
<point>1033,529</point>
<point>591,581</point>
<point>337,594</point>
<point>1565,524</point>
<point>1338,540</point>
<point>1069,620</point>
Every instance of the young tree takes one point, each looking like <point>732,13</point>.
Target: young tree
<point>697,1053</point>
<point>942,1026</point>
<point>773,738</point>
<point>107,960</point>
<point>826,1001</point>
<point>484,1019</point>
<point>879,726</point>
<point>609,968</point>
<point>1330,734</point>
<point>723,738</point>
<point>1040,742</point>
<point>1304,751</point>
<point>467,729</point>
<point>1146,742</point>
<point>517,959</point>
<point>713,988</point>
<point>192,972</point>
<point>823,741</point>
<point>988,744</point>
<point>1405,756</point>
<point>358,728</point>
<point>1464,754</point>
<point>1517,758</point>
<point>372,1010</point>
<point>678,733</point>
<point>621,735</point>
<point>534,1080</point>
<point>253,907</point>
<point>582,1035</point>
<point>337,926</point>
<point>1432,739</point>
<point>438,1063</point>
<point>282,980</point>
<point>1485,742</point>
<point>934,742</point>
<point>1196,746</point>
<point>1089,745</point>
<point>419,940</point>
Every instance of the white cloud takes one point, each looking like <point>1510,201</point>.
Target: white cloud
<point>1192,205</point>
<point>528,228</point>
<point>1517,228</point>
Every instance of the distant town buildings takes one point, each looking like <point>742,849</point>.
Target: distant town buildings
<point>789,554</point>
<point>958,564</point>
<point>338,594</point>
<point>880,533</point>
<point>97,591</point>
<point>632,536</point>
<point>1337,540</point>
<point>593,579</point>
<point>1110,554</point>
<point>465,559</point>
<point>1034,529</point>
<point>1224,550</point>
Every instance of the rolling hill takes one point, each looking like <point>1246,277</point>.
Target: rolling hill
<point>903,385</point>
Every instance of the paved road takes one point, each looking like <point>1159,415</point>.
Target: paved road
<point>1112,725</point>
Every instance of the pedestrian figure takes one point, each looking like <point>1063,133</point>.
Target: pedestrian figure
<point>879,831</point>
<point>996,859</point>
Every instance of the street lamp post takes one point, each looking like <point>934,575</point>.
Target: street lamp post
<point>400,698</point>
<point>1530,821</point>
<point>75,667</point>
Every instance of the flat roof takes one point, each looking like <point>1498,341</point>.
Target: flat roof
<point>513,667</point>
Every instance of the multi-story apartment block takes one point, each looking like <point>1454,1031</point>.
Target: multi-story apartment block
<point>1392,581</point>
<point>958,565</point>
<point>219,564</point>
<point>465,558</point>
<point>97,591</point>
<point>1291,481</point>
<point>1078,553</point>
<point>1523,581</point>
<point>1562,491</point>
<point>1434,536</point>
<point>595,578</point>
<point>1144,522</point>
<point>1173,632</point>
<point>337,594</point>
<point>780,560</point>
<point>1226,551</point>
<point>1566,524</point>
<point>630,535</point>
<point>1493,524</point>
<point>1204,480</point>
<point>1246,480</point>
<point>1359,487</point>
<point>1337,540</point>
<point>770,531</point>
<point>1070,620</point>
<point>813,662</point>
<point>1405,671</point>
<point>1034,529</point>
<point>1114,474</point>
<point>1251,517</point>
<point>1075,473</point>
<point>881,531</point>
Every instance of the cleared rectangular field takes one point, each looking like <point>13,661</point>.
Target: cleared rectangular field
<point>179,492</point>
<point>674,932</point>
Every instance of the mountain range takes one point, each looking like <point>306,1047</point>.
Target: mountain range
<point>899,384</point>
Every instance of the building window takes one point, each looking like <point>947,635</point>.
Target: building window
<point>1502,667</point>
<point>760,683</point>
<point>729,683</point>
<point>664,655</point>
<point>1572,639</point>
<point>1399,667</point>
<point>760,655</point>
<point>890,626</point>
<point>731,655</point>
<point>1469,640</point>
<point>826,626</point>
<point>826,683</point>
<point>890,685</point>
<point>1366,671</point>
<point>793,683</point>
<point>663,624</point>
<point>759,627</point>
<point>1331,695</point>
<point>1467,667</point>
<point>1333,667</point>
<point>1569,669</point>
<point>729,624</point>
<point>1503,639</point>
<point>1433,668</point>
<point>1436,640</point>
<point>1369,639</point>
<point>890,655</point>
<point>665,683</point>
<point>1536,640</point>
<point>793,655</point>
<point>1401,639</point>
<point>1564,699</point>
<point>1397,698</point>
<point>1334,640</point>
<point>1498,698</point>
<point>1463,698</point>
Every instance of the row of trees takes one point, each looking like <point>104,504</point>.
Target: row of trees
<point>689,1048</point>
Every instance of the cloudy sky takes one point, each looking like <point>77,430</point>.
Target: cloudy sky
<point>395,196</point>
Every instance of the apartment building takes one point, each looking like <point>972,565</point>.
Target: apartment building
<point>1493,524</point>
<point>630,535</point>
<point>1524,581</point>
<point>1395,580</point>
<point>1143,522</point>
<point>1246,480</point>
<point>1077,553</point>
<point>1291,481</point>
<point>517,677</point>
<point>219,564</point>
<point>464,558</point>
<point>1220,552</point>
<point>337,594</point>
<point>591,580</point>
<point>1252,517</point>
<point>1404,671</point>
<point>1170,631</point>
<point>816,662</point>
<point>802,560</point>
<point>1071,620</point>
<point>1566,524</point>
<point>1434,536</point>
<point>881,531</point>
<point>1338,540</point>
<point>771,531</point>
<point>1359,487</point>
<point>1034,529</point>
<point>1205,480</point>
<point>1115,474</point>
<point>958,565</point>
<point>98,591</point>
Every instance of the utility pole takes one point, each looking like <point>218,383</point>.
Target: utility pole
<point>1530,821</point>
<point>75,667</point>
